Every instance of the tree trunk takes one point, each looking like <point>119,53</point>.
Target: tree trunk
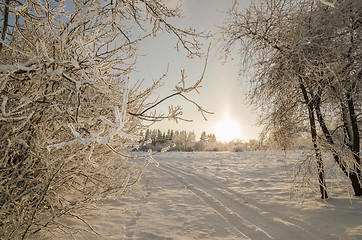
<point>352,175</point>
<point>5,22</point>
<point>318,154</point>
<point>355,135</point>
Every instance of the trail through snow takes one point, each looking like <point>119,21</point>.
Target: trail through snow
<point>252,220</point>
<point>221,196</point>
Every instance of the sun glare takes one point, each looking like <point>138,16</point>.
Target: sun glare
<point>227,130</point>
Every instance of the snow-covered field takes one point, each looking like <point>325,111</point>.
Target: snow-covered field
<point>211,195</point>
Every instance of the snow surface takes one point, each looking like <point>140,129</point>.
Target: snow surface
<point>214,195</point>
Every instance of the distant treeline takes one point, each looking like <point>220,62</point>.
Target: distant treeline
<point>186,141</point>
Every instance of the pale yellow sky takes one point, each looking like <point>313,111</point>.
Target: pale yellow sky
<point>223,91</point>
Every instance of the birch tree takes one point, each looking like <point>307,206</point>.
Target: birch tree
<point>304,55</point>
<point>69,110</point>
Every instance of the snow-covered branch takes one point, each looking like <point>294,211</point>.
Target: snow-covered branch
<point>69,112</point>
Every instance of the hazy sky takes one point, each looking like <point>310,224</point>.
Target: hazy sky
<point>223,91</point>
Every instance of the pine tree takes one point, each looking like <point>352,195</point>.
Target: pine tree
<point>203,137</point>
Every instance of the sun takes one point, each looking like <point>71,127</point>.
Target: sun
<point>227,130</point>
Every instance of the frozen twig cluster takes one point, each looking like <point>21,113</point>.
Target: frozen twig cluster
<point>305,58</point>
<point>69,112</point>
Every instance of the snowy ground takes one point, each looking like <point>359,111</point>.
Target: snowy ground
<point>223,196</point>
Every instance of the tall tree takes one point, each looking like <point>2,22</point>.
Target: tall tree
<point>203,137</point>
<point>69,110</point>
<point>305,57</point>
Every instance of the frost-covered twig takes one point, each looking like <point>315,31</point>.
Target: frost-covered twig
<point>174,113</point>
<point>67,100</point>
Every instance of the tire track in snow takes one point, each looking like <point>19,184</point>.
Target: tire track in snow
<point>252,220</point>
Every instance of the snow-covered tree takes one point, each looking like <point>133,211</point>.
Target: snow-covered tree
<point>203,137</point>
<point>69,110</point>
<point>190,142</point>
<point>306,58</point>
<point>211,138</point>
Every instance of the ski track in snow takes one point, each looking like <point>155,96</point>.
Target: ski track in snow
<point>252,220</point>
<point>216,196</point>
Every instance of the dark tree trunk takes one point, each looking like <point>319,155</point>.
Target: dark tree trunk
<point>5,22</point>
<point>352,175</point>
<point>346,124</point>
<point>355,146</point>
<point>318,154</point>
